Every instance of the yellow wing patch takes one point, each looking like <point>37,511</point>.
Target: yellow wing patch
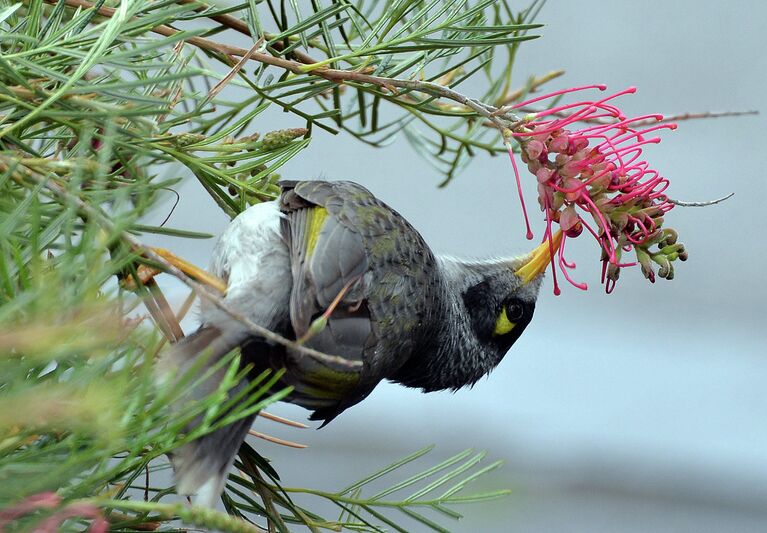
<point>503,325</point>
<point>317,216</point>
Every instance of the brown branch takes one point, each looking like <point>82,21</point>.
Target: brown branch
<point>185,307</point>
<point>199,42</point>
<point>217,88</point>
<point>239,26</point>
<point>166,314</point>
<point>334,75</point>
<point>497,117</point>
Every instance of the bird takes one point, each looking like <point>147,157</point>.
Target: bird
<point>402,313</point>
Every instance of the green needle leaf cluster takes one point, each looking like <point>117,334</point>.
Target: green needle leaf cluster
<point>104,108</point>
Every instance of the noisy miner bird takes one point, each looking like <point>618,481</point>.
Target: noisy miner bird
<point>408,316</point>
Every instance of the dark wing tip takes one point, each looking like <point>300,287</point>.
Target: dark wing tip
<point>326,414</point>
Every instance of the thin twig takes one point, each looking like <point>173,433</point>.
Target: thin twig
<point>159,318</point>
<point>701,204</point>
<point>708,114</point>
<point>166,313</point>
<point>240,26</point>
<point>275,440</point>
<point>529,88</point>
<point>233,71</point>
<point>648,121</point>
<point>183,310</point>
<point>186,306</point>
<point>281,420</point>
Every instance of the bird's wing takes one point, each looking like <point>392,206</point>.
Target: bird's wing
<point>347,246</point>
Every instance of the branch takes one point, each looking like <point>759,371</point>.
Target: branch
<point>202,291</point>
<point>336,75</point>
<point>650,121</point>
<point>701,204</point>
<point>238,25</point>
<point>532,85</point>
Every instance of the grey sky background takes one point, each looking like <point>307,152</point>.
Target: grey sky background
<point>640,411</point>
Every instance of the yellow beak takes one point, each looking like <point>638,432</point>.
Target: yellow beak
<point>539,259</point>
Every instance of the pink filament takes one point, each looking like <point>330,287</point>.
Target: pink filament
<point>614,158</point>
<point>564,265</point>
<point>519,191</point>
<point>601,87</point>
<point>548,237</point>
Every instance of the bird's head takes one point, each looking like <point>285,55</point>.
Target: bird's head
<point>501,300</point>
<point>489,305</point>
<point>498,298</point>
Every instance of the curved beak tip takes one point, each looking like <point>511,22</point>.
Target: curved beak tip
<point>536,262</point>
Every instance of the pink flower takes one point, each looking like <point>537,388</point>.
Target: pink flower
<point>595,172</point>
<point>51,501</point>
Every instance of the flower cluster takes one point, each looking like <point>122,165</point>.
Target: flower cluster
<point>594,178</point>
<point>50,501</point>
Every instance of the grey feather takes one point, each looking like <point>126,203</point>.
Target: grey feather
<point>207,459</point>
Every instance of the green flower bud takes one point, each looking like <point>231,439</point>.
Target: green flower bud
<point>279,138</point>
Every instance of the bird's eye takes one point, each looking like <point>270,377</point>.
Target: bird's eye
<point>515,310</point>
<point>511,312</point>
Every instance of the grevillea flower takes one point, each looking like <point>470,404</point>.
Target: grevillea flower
<point>50,501</point>
<point>594,178</point>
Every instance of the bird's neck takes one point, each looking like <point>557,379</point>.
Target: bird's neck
<point>449,356</point>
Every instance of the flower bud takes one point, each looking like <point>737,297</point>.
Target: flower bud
<point>570,222</point>
<point>534,149</point>
<point>533,165</point>
<point>670,236</point>
<point>665,265</point>
<point>544,174</point>
<point>620,219</point>
<point>613,272</point>
<point>645,263</point>
<point>579,143</point>
<point>559,144</point>
<point>185,139</point>
<point>279,138</point>
<point>571,169</point>
<point>545,196</point>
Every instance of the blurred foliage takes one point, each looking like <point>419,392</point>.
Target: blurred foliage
<point>103,108</point>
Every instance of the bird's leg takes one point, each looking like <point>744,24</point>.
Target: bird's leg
<point>191,270</point>
<point>148,272</point>
<point>156,303</point>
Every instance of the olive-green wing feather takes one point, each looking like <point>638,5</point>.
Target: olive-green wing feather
<point>346,244</point>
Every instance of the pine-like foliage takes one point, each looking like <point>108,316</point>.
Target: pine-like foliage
<point>101,102</point>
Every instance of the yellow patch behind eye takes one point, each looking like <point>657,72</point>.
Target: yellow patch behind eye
<point>503,325</point>
<point>313,226</point>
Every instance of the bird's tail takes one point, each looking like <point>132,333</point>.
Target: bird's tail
<point>201,466</point>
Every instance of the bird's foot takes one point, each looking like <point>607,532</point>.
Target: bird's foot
<point>147,272</point>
